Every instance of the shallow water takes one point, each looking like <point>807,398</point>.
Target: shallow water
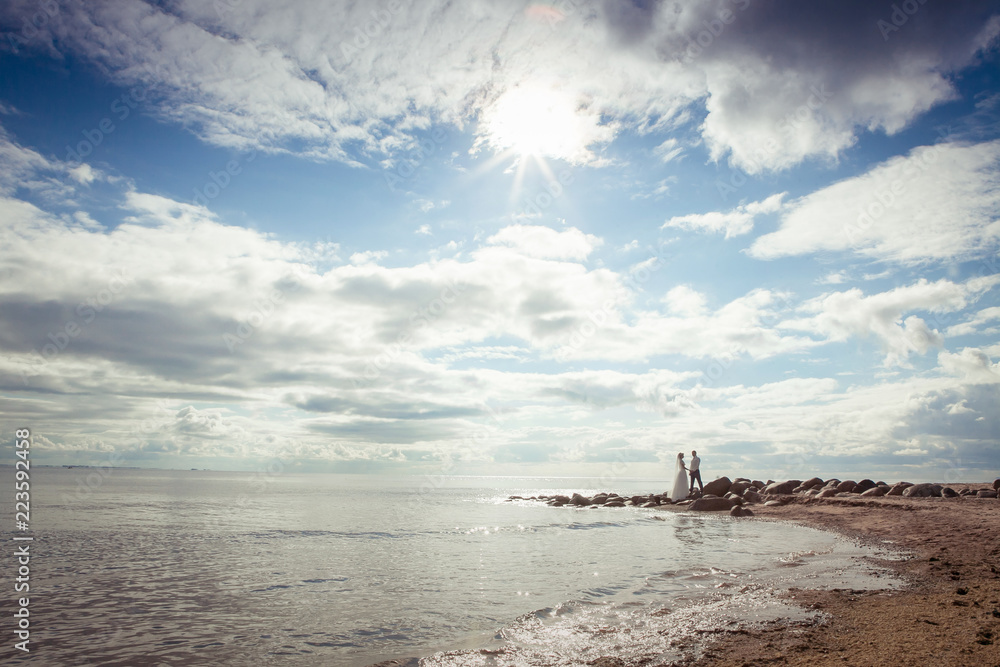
<point>194,567</point>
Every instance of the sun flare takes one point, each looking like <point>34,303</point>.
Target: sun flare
<point>540,121</point>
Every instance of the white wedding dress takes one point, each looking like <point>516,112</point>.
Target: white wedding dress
<point>680,490</point>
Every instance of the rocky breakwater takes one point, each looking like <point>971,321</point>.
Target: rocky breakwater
<point>736,496</point>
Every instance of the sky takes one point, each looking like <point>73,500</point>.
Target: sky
<point>503,238</point>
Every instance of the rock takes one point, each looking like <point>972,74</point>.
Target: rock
<point>555,503</point>
<point>828,493</point>
<point>600,499</point>
<point>863,486</point>
<point>773,503</point>
<point>846,486</point>
<point>736,511</point>
<point>580,501</point>
<point>898,488</point>
<point>742,479</point>
<point>986,493</point>
<point>751,496</point>
<point>781,487</point>
<point>561,499</point>
<point>614,503</point>
<point>718,487</point>
<point>831,483</point>
<point>948,492</point>
<point>996,485</point>
<point>607,661</point>
<point>650,504</point>
<point>746,511</point>
<point>711,505</point>
<point>812,483</point>
<point>923,491</point>
<point>739,486</point>
<point>874,492</point>
<point>757,484</point>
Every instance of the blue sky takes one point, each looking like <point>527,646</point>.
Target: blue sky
<point>504,237</point>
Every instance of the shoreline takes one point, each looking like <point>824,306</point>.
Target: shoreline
<point>948,614</point>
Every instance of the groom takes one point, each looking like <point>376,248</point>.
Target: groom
<point>695,469</point>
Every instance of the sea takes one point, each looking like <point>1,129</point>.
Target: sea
<point>166,567</point>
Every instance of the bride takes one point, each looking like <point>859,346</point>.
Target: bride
<point>680,490</point>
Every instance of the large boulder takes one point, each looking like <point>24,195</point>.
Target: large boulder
<point>863,486</point>
<point>948,492</point>
<point>718,487</point>
<point>580,501</point>
<point>847,486</point>
<point>996,485</point>
<point>986,493</point>
<point>828,493</point>
<point>782,487</point>
<point>752,496</point>
<point>874,492</point>
<point>757,484</point>
<point>739,486</point>
<point>898,488</point>
<point>712,505</point>
<point>813,483</point>
<point>923,491</point>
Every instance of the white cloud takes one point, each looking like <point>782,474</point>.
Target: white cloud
<point>841,315</point>
<point>974,325</point>
<point>424,230</point>
<point>734,223</point>
<point>938,203</point>
<point>304,77</point>
<point>683,300</point>
<point>368,256</point>
<point>547,243</point>
<point>668,150</point>
<point>971,364</point>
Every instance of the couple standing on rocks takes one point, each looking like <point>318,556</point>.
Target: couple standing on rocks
<point>681,488</point>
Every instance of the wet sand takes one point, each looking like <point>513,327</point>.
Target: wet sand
<point>948,615</point>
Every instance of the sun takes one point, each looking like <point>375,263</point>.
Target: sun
<point>541,121</point>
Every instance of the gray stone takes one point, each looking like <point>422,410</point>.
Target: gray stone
<point>751,496</point>
<point>614,503</point>
<point>757,484</point>
<point>863,486</point>
<point>781,487</point>
<point>847,486</point>
<point>898,488</point>
<point>718,487</point>
<point>948,492</point>
<point>736,511</point>
<point>828,493</point>
<point>986,493</point>
<point>874,492</point>
<point>923,491</point>
<point>739,486</point>
<point>711,505</point>
<point>813,483</point>
<point>773,503</point>
<point>580,501</point>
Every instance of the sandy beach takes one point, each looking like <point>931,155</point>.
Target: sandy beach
<point>948,615</point>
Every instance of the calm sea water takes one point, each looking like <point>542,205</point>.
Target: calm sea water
<point>196,567</point>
